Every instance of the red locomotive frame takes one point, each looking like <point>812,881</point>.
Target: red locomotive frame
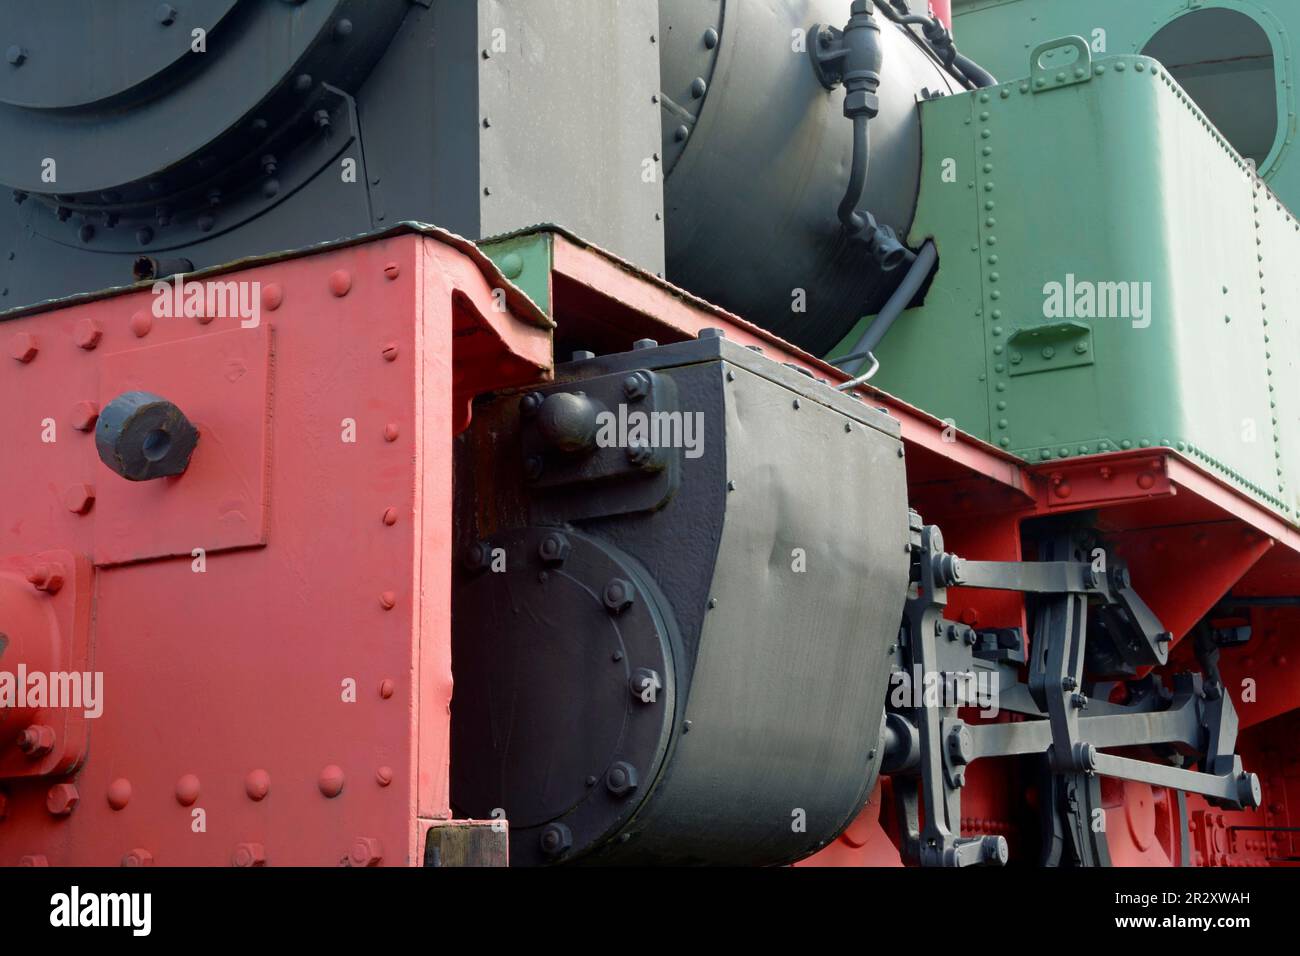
<point>273,626</point>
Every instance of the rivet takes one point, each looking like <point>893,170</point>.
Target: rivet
<point>272,296</point>
<point>340,283</point>
<point>386,688</point>
<point>390,352</point>
<point>16,55</point>
<point>331,780</point>
<point>384,776</point>
<point>88,334</point>
<point>388,600</point>
<point>257,784</point>
<point>392,270</point>
<point>34,859</point>
<point>141,323</point>
<point>391,432</point>
<point>512,265</point>
<point>119,793</point>
<point>187,790</point>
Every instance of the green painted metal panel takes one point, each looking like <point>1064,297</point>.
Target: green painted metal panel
<point>525,259</point>
<point>1000,33</point>
<point>1112,276</point>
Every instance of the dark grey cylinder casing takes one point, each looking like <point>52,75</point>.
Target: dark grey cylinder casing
<point>768,574</point>
<point>757,156</point>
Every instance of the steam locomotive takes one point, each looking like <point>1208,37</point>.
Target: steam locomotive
<point>696,432</point>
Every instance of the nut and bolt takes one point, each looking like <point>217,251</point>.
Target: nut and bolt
<point>636,386</point>
<point>62,799</point>
<point>138,857</point>
<point>249,854</point>
<point>556,839</point>
<point>366,851</point>
<point>554,548</point>
<point>477,557</point>
<point>621,779</point>
<point>36,740</point>
<point>47,578</point>
<point>645,685</point>
<point>531,404</point>
<point>618,595</point>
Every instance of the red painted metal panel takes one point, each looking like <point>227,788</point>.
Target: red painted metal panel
<point>285,702</point>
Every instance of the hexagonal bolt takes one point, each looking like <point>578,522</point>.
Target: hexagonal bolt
<point>62,799</point>
<point>640,345</point>
<point>79,498</point>
<point>531,404</point>
<point>249,854</point>
<point>533,467</point>
<point>621,779</point>
<point>554,548</point>
<point>137,857</point>
<point>366,851</point>
<point>961,746</point>
<point>556,840</point>
<point>645,685</point>
<point>640,456</point>
<point>84,415</point>
<point>88,334</point>
<point>34,859</point>
<point>47,578</point>
<point>165,14</point>
<point>16,55</point>
<point>636,386</point>
<point>36,740</point>
<point>618,595</point>
<point>23,347</point>
<point>142,436</point>
<point>477,558</point>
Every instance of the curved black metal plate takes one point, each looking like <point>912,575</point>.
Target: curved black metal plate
<point>545,704</point>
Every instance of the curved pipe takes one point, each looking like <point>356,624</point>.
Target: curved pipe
<point>849,215</point>
<point>981,77</point>
<point>898,302</point>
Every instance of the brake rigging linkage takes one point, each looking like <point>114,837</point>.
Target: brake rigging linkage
<point>928,747</point>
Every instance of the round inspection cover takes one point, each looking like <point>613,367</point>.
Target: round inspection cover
<point>165,93</point>
<point>564,691</point>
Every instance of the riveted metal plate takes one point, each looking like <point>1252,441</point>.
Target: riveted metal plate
<point>222,382</point>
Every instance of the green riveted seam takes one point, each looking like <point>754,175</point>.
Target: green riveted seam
<point>993,270</point>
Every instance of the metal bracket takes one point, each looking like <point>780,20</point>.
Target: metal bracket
<point>1051,67</point>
